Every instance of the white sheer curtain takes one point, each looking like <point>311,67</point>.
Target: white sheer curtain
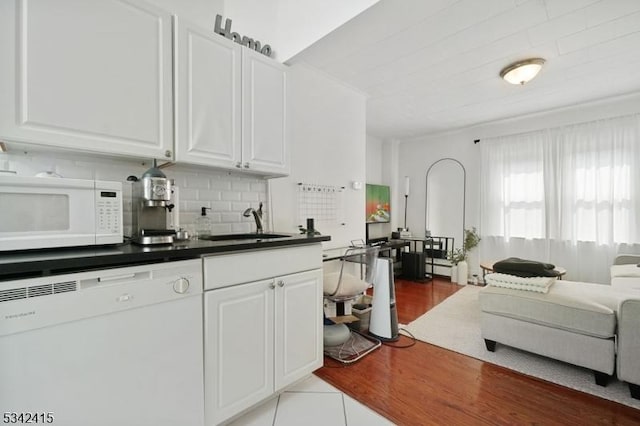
<point>567,196</point>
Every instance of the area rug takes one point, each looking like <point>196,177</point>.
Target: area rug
<point>454,324</point>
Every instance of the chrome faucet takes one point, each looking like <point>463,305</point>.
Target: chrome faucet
<point>257,215</point>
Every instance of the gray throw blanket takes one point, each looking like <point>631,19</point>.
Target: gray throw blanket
<point>525,268</point>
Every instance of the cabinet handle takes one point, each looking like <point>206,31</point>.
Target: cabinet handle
<point>272,285</point>
<point>167,154</point>
<point>246,165</point>
<point>238,165</point>
<point>280,283</point>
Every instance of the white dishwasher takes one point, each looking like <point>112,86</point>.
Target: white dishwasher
<point>118,346</point>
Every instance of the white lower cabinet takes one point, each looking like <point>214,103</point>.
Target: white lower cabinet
<point>298,326</point>
<point>259,336</point>
<point>239,339</point>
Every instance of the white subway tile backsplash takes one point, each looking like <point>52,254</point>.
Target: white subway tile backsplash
<point>188,219</point>
<point>241,206</point>
<point>241,228</point>
<point>199,182</point>
<point>231,217</point>
<point>260,186</point>
<point>194,206</point>
<point>251,196</point>
<point>220,206</point>
<point>188,194</point>
<point>228,195</point>
<point>180,178</point>
<point>221,228</point>
<point>67,170</point>
<point>221,182</point>
<point>215,217</point>
<point>240,186</point>
<point>208,194</point>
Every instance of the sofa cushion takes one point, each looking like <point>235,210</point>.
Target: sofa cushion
<point>631,270</point>
<point>525,268</point>
<point>351,285</point>
<point>581,308</point>
<point>625,277</point>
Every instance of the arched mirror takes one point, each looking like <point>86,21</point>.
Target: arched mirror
<point>445,205</point>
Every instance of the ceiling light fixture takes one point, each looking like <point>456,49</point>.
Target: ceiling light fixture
<point>522,72</point>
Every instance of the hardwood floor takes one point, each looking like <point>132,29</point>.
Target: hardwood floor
<point>428,385</point>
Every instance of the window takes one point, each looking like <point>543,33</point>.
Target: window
<point>571,184</point>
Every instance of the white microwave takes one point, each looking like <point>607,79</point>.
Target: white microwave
<point>43,212</point>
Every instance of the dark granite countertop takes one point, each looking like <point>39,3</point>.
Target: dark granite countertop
<point>38,263</point>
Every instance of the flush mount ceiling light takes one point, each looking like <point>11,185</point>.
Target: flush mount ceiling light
<point>522,72</point>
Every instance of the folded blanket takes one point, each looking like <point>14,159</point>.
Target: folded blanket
<point>625,271</point>
<point>536,284</point>
<point>525,268</point>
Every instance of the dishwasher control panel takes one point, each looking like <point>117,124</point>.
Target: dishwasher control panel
<point>41,302</point>
<point>181,285</point>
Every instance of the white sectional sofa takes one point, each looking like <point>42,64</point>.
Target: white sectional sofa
<point>594,326</point>
<point>628,362</point>
<point>625,277</point>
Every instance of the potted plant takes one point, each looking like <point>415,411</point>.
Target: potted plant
<point>455,256</point>
<point>471,239</point>
<point>458,257</point>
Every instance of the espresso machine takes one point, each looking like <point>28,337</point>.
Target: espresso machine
<point>153,209</point>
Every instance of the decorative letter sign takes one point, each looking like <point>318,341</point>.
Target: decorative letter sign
<point>243,40</point>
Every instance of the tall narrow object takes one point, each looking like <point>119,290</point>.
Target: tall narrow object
<point>383,323</point>
<point>406,199</point>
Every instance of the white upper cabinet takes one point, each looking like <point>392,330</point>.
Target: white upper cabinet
<point>230,104</point>
<point>99,76</point>
<point>91,75</point>
<point>207,97</point>
<point>264,102</point>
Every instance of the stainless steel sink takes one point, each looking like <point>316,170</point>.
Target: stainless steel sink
<point>251,236</point>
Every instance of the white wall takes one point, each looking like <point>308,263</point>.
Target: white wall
<point>374,161</point>
<point>301,23</point>
<point>201,12</point>
<point>415,158</point>
<point>384,168</point>
<point>417,154</point>
<point>328,139</point>
<point>288,26</point>
<point>255,19</point>
<point>378,172</point>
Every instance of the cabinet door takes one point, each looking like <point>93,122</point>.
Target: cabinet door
<point>264,135</point>
<point>207,97</point>
<point>298,326</point>
<point>92,75</point>
<point>238,348</point>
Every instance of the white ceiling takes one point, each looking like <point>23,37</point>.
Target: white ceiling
<point>433,65</point>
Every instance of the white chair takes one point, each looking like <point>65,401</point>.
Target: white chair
<point>351,279</point>
<point>355,275</point>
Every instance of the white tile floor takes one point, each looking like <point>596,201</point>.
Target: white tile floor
<point>312,402</point>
